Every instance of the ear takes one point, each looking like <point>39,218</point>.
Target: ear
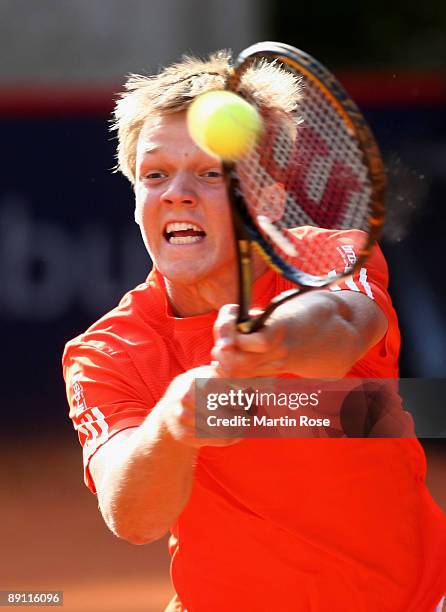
<point>136,216</point>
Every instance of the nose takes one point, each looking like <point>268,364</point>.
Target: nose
<point>180,190</point>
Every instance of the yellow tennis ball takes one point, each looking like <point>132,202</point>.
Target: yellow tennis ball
<point>223,124</point>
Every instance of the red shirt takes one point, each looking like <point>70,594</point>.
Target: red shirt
<point>272,524</point>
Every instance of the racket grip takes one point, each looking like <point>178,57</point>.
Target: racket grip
<point>253,324</point>
<point>245,281</point>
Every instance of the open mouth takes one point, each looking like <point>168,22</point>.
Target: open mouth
<point>180,232</point>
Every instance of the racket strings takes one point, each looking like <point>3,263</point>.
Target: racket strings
<point>307,172</point>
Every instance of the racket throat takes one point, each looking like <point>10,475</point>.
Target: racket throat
<point>245,281</point>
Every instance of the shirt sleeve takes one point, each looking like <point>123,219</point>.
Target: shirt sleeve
<point>372,280</point>
<point>105,395</point>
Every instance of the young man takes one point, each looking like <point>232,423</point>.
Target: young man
<point>271,524</point>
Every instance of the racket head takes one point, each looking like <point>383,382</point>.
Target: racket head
<point>318,167</point>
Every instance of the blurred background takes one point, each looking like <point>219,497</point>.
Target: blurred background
<point>69,248</point>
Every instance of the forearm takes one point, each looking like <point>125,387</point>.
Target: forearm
<point>148,482</point>
<point>332,331</point>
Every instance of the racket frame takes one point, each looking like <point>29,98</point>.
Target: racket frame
<point>247,234</point>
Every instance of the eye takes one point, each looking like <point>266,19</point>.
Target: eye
<point>214,174</point>
<point>154,175</point>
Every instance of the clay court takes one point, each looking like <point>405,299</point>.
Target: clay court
<point>53,536</point>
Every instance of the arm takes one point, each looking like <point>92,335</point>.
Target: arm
<point>320,334</point>
<point>144,475</point>
<point>143,479</point>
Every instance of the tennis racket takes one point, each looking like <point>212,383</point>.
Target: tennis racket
<point>319,168</point>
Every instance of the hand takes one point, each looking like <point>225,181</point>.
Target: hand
<point>182,416</point>
<point>262,353</point>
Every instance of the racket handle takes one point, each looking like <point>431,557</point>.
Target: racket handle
<point>253,324</point>
<point>245,282</point>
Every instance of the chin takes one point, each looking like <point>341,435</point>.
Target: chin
<point>184,276</point>
<point>196,272</point>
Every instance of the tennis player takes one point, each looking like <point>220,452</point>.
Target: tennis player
<point>256,524</point>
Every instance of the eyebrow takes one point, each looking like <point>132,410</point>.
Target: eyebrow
<point>151,149</point>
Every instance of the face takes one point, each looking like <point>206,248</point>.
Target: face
<point>181,204</point>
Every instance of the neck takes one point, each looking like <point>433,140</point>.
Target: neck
<point>189,300</point>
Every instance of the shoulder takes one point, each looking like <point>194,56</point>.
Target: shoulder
<point>128,353</point>
<point>372,280</point>
<point>133,322</point>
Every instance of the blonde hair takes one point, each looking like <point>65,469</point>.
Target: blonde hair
<point>174,88</point>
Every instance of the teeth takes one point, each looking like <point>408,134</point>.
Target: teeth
<point>177,227</point>
<point>184,239</point>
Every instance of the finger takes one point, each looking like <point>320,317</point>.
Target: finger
<point>271,337</point>
<point>225,327</point>
<point>183,387</point>
<point>243,368</point>
<point>229,360</point>
<point>270,368</point>
<point>257,342</point>
<point>222,353</point>
<point>183,414</point>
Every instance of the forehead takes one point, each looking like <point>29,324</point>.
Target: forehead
<point>164,131</point>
